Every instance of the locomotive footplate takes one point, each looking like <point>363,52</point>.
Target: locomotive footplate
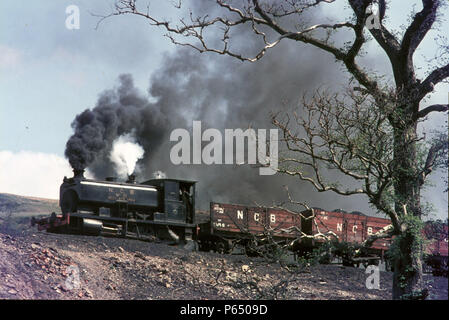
<point>53,222</point>
<point>124,220</point>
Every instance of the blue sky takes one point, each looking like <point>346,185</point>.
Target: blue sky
<point>54,73</point>
<point>49,74</point>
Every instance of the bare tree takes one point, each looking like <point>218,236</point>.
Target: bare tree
<point>370,134</point>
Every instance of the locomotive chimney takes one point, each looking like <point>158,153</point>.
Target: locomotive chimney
<point>78,173</point>
<point>131,178</point>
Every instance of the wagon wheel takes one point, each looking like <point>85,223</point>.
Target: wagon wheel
<point>222,246</point>
<point>347,262</point>
<point>327,258</point>
<point>205,245</point>
<point>251,248</point>
<point>270,251</point>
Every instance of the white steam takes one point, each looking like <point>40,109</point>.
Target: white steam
<point>125,154</point>
<point>159,175</point>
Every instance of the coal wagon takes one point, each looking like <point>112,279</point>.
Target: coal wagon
<point>232,224</point>
<point>436,251</point>
<point>352,228</point>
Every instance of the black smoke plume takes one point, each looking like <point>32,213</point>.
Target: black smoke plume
<point>188,87</point>
<point>118,111</point>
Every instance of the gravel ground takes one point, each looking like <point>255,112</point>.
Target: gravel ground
<point>40,265</point>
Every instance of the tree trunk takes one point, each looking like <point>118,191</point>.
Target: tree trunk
<point>407,278</point>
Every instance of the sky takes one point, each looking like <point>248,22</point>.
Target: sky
<point>49,74</point>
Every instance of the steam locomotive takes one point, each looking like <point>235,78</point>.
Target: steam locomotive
<point>161,208</point>
<point>165,209</point>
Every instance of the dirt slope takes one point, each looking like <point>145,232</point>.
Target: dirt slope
<point>11,203</point>
<point>39,266</point>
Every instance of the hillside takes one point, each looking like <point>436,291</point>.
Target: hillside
<point>11,203</point>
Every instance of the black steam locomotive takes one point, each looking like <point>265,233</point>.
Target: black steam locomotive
<point>161,208</point>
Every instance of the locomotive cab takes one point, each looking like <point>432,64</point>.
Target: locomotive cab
<point>176,200</point>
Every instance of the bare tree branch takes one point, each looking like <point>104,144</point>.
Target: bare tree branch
<point>417,30</point>
<point>435,77</point>
<point>433,108</point>
<point>384,233</point>
<point>437,150</point>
